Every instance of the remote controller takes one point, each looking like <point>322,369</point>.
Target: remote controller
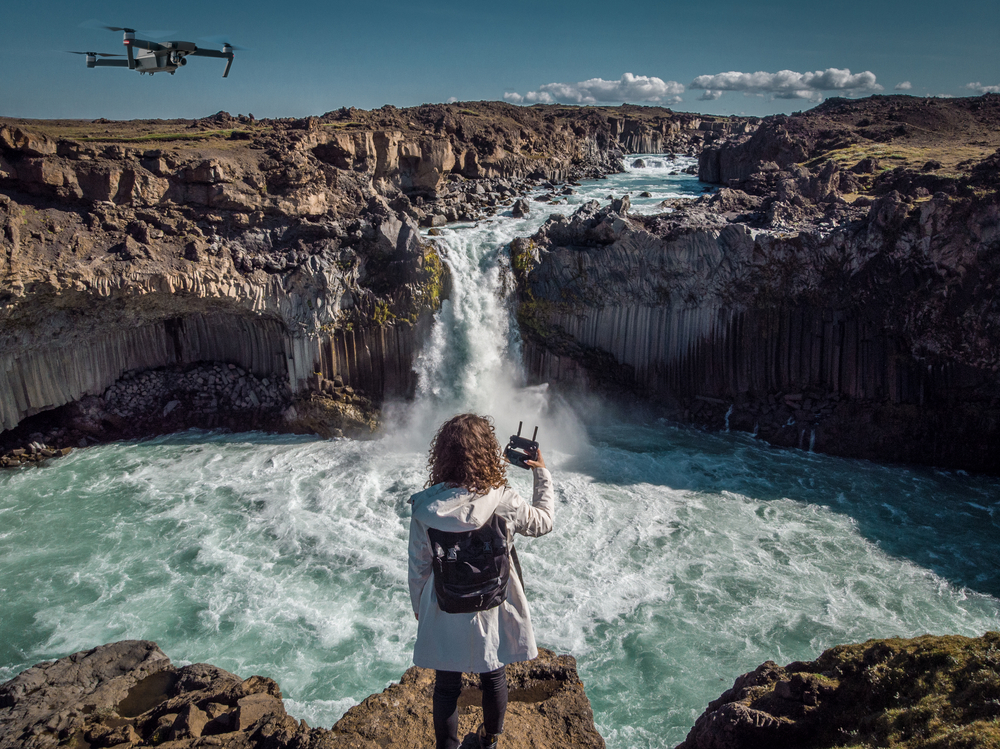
<point>520,449</point>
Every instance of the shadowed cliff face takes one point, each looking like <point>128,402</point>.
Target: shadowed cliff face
<point>287,248</point>
<point>868,332</point>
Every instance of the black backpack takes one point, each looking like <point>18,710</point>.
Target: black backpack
<point>471,568</point>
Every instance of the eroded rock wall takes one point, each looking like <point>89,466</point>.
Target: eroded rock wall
<point>878,339</point>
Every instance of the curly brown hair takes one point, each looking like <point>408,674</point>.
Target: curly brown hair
<point>465,453</point>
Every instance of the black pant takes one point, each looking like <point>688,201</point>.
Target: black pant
<point>448,687</point>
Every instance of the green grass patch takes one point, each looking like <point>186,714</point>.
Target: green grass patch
<point>892,155</point>
<point>161,137</point>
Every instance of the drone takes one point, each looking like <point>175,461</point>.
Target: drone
<point>155,57</point>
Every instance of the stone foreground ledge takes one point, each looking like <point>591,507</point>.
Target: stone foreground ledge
<point>128,694</point>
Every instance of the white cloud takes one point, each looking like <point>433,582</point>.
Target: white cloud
<point>787,84</point>
<point>977,86</point>
<point>628,88</point>
<point>904,86</point>
<point>710,95</point>
<point>452,99</point>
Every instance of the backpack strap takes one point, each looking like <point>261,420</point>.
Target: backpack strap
<point>517,565</point>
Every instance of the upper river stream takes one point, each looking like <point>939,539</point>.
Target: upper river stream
<point>679,560</point>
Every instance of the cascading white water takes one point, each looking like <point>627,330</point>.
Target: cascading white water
<point>680,558</point>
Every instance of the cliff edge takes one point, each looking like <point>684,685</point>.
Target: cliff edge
<point>923,692</point>
<point>129,694</point>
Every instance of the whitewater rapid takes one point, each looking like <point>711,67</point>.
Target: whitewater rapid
<point>680,558</point>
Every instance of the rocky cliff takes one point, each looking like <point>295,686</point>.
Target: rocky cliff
<point>129,694</point>
<point>924,692</point>
<point>833,306</point>
<point>289,249</point>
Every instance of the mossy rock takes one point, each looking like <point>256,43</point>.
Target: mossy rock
<point>929,691</point>
<point>321,414</point>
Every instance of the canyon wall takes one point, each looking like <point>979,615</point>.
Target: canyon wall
<point>878,339</point>
<point>289,248</point>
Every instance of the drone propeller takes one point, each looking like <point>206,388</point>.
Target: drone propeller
<point>222,41</point>
<point>95,24</point>
<point>94,54</point>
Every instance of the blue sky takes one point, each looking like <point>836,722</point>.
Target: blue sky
<point>307,58</point>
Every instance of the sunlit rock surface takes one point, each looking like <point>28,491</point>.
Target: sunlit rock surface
<point>128,693</point>
<point>927,691</point>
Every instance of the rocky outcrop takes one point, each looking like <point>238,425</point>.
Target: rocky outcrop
<point>928,691</point>
<point>900,131</point>
<point>129,694</point>
<point>876,338</point>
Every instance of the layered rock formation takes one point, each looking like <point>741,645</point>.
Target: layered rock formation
<point>928,691</point>
<point>865,327</point>
<point>287,248</point>
<point>128,694</point>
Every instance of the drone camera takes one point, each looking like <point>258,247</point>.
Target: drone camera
<point>520,449</point>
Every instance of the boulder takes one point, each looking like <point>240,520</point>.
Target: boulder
<point>521,208</point>
<point>547,708</point>
<point>621,205</point>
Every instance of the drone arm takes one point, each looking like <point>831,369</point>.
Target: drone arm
<point>108,64</point>
<point>217,53</point>
<point>211,53</point>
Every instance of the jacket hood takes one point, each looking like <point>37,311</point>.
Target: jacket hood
<point>454,509</point>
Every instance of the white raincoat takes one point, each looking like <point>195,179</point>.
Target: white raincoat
<point>484,640</point>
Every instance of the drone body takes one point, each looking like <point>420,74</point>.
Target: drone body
<point>156,57</point>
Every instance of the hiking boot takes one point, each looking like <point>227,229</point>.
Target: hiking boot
<point>487,740</point>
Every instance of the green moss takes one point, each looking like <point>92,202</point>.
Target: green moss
<point>160,137</point>
<point>522,257</point>
<point>382,314</point>
<point>432,280</point>
<point>532,315</point>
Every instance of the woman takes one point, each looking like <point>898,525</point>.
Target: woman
<point>467,486</point>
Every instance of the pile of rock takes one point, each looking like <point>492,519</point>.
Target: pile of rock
<point>467,200</point>
<point>338,391</point>
<point>35,452</point>
<point>205,389</point>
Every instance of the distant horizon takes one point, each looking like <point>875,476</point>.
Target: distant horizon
<point>675,110</point>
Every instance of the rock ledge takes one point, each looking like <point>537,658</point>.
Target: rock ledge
<point>128,694</point>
